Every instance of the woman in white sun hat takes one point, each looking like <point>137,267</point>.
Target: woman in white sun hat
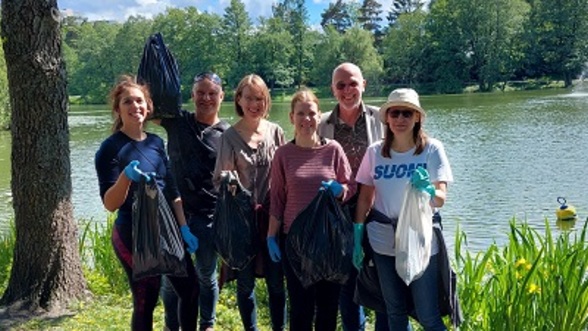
<point>387,167</point>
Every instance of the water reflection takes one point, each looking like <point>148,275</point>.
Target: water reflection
<point>512,155</point>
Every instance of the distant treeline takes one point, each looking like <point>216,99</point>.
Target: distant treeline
<point>437,48</point>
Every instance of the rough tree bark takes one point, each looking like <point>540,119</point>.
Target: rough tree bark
<point>46,272</point>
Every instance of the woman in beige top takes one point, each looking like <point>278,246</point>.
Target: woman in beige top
<point>248,148</point>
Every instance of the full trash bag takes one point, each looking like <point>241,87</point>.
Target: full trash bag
<point>319,245</point>
<point>159,70</point>
<point>158,248</point>
<point>414,234</point>
<point>234,229</point>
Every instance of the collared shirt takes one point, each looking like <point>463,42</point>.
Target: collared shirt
<point>353,139</point>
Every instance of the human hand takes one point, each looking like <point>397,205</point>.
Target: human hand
<point>274,249</point>
<point>189,238</point>
<point>358,229</point>
<point>133,172</point>
<point>334,186</point>
<point>420,181</point>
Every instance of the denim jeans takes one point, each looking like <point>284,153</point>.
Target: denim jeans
<point>352,314</point>
<point>247,302</point>
<point>206,264</point>
<point>424,292</point>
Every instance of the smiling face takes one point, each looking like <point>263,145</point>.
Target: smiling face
<point>252,102</point>
<point>132,107</point>
<point>207,96</point>
<point>401,121</point>
<point>305,116</point>
<point>348,86</point>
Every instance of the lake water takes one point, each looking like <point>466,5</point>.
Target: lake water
<point>512,155</point>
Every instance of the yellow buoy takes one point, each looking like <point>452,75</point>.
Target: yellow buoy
<point>565,212</point>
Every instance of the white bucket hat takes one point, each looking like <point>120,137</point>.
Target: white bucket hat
<point>402,97</point>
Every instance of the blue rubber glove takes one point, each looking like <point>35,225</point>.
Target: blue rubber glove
<point>189,238</point>
<point>334,186</point>
<point>274,249</point>
<point>420,181</point>
<point>358,229</point>
<point>133,172</point>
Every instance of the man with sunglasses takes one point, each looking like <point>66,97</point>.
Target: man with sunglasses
<point>355,126</point>
<point>193,140</point>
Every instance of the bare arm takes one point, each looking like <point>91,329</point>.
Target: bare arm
<point>365,201</point>
<point>116,195</point>
<point>440,194</point>
<point>274,226</point>
<point>179,212</point>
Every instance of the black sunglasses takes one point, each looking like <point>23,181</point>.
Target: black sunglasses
<point>397,112</point>
<point>208,75</point>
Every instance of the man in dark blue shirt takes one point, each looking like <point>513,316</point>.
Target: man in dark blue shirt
<point>193,139</point>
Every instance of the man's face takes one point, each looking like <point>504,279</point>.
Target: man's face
<point>207,97</point>
<point>348,86</point>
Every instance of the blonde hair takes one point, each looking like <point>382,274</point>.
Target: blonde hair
<point>255,81</point>
<point>304,94</point>
<point>125,83</point>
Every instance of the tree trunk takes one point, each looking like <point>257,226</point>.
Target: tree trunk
<point>46,270</point>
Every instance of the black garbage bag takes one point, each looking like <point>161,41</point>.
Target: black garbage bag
<point>158,69</point>
<point>319,245</point>
<point>234,229</point>
<point>158,248</point>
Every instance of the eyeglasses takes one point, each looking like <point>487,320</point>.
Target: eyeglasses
<point>397,112</point>
<point>208,75</point>
<point>341,86</point>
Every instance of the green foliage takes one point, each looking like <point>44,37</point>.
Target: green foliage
<point>557,39</point>
<point>441,50</point>
<point>101,266</point>
<point>194,39</point>
<point>7,243</point>
<point>5,110</point>
<point>536,282</point>
<point>403,47</point>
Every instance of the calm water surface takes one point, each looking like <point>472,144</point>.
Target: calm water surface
<point>512,155</point>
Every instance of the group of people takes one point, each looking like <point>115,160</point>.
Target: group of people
<point>363,155</point>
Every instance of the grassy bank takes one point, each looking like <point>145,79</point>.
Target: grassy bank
<point>537,281</point>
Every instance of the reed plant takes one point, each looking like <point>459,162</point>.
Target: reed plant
<point>7,242</point>
<point>535,282</point>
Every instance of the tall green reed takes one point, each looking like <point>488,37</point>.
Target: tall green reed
<point>535,282</point>
<point>7,243</point>
<point>102,268</point>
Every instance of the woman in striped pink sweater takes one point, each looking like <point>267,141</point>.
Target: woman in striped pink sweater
<point>299,169</point>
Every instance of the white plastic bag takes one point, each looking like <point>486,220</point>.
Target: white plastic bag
<point>414,234</point>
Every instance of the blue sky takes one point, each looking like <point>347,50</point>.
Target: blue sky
<point>120,10</point>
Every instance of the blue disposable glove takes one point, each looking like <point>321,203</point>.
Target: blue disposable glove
<point>334,186</point>
<point>274,249</point>
<point>420,181</point>
<point>189,238</point>
<point>357,248</point>
<point>133,172</point>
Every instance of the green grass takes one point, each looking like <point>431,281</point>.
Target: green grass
<point>537,281</point>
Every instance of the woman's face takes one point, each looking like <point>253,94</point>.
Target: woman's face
<point>305,116</point>
<point>252,102</point>
<point>401,121</point>
<point>132,107</point>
